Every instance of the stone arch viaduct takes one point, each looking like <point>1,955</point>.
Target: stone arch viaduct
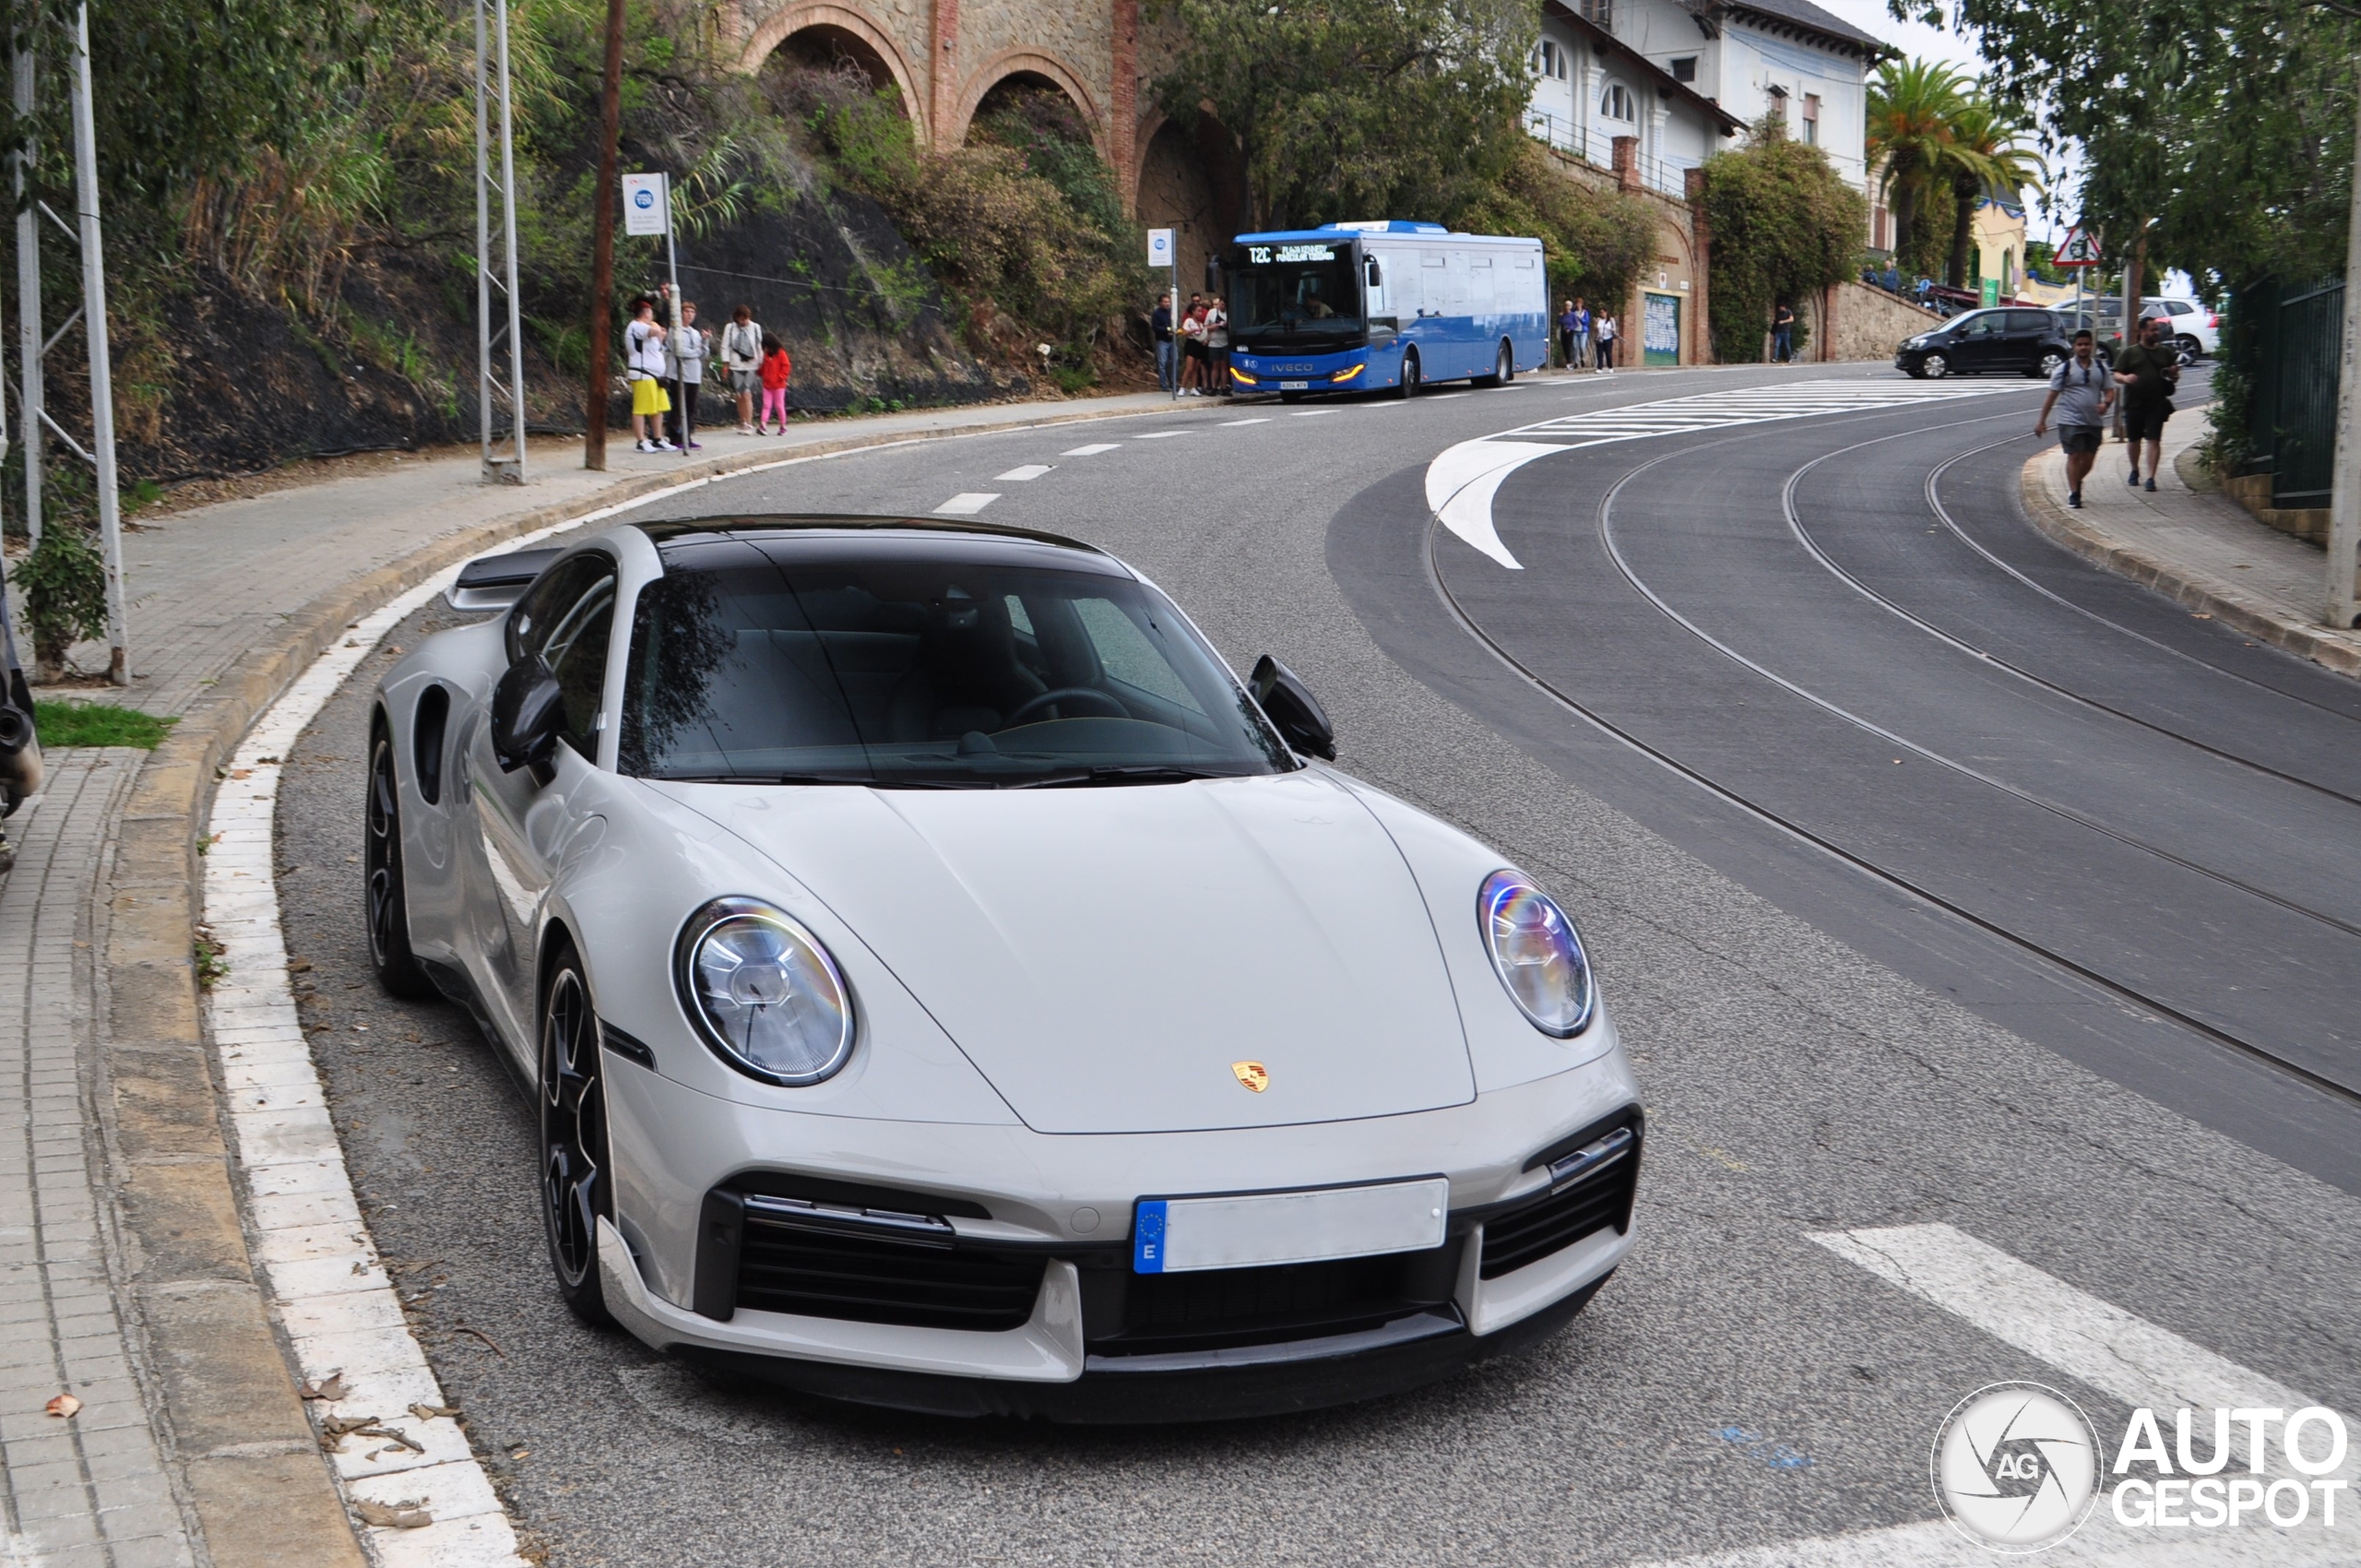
<point>945,57</point>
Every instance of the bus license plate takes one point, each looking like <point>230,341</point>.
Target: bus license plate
<point>1294,386</point>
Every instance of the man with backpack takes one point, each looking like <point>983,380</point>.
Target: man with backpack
<point>2149,373</point>
<point>2082,391</point>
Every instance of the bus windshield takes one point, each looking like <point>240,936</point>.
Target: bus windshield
<point>1299,292</point>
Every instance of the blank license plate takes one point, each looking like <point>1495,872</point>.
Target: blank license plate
<point>1176,1235</point>
<point>1294,386</point>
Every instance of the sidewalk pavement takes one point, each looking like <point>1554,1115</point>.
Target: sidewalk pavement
<point>125,1274</point>
<point>2200,548</point>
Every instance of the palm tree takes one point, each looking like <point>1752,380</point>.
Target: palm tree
<point>1910,131</point>
<point>1989,162</point>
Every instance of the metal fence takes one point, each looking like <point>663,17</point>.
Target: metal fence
<point>2303,365</point>
<point>1595,146</point>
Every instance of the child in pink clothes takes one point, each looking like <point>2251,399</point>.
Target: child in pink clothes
<point>777,367</point>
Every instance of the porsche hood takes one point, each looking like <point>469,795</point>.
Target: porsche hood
<point>1238,953</point>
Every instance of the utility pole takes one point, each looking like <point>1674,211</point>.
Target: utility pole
<point>602,246</point>
<point>28,343</point>
<point>94,314</point>
<point>2344,494</point>
<point>492,100</point>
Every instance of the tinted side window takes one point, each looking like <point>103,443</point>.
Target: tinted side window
<point>575,649</point>
<point>556,590</point>
<point>2031,321</point>
<point>1985,324</point>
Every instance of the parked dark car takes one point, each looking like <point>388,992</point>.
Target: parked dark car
<point>2019,339</point>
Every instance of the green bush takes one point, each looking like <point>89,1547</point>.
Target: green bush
<point>1597,243</point>
<point>65,584</point>
<point>1785,225</point>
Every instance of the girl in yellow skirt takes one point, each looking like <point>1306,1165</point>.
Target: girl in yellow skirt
<point>644,369</point>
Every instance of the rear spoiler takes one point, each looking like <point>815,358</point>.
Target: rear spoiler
<point>496,582</point>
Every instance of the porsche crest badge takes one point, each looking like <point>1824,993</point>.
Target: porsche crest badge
<point>1253,1074</point>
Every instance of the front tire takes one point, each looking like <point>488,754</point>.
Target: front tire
<point>387,900</point>
<point>578,1188</point>
<point>1934,367</point>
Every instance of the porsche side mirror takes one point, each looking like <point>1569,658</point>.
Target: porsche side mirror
<point>527,707</point>
<point>1292,710</point>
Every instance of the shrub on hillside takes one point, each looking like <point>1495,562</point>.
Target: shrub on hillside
<point>1025,218</point>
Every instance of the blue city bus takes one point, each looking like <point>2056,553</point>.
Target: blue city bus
<point>1349,306</point>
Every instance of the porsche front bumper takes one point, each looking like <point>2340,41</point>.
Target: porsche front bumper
<point>1188,1346</point>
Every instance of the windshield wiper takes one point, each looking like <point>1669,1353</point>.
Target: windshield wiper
<point>1126,773</point>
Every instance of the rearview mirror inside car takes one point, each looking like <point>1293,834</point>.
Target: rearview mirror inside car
<point>527,707</point>
<point>1292,710</point>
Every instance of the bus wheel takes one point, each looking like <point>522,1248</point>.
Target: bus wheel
<point>1409,387</point>
<point>1503,369</point>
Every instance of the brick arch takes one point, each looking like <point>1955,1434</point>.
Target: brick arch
<point>777,28</point>
<point>1019,63</point>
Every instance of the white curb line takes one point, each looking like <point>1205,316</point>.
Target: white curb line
<point>323,1279</point>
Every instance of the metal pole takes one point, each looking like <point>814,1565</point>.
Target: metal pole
<point>2345,495</point>
<point>602,246</point>
<point>484,248</point>
<point>28,399</point>
<point>94,311</point>
<point>508,243</point>
<point>672,317</point>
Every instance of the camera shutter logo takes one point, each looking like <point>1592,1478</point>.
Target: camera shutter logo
<point>2016,1467</point>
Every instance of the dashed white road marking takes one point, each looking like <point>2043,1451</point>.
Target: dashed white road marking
<point>967,503</point>
<point>1309,413</point>
<point>1092,450</point>
<point>1462,482</point>
<point>1444,396</point>
<point>1228,424</point>
<point>2097,1343</point>
<point>1026,471</point>
<point>1161,435</point>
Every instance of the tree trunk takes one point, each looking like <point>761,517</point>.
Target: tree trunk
<point>1962,220</point>
<point>1906,218</point>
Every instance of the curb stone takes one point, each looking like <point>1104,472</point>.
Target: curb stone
<point>2256,620</point>
<point>250,1468</point>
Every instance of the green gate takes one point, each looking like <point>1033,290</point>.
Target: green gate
<point>2303,366</point>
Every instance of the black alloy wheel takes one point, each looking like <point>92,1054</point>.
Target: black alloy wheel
<point>389,907</point>
<point>1409,387</point>
<point>576,1190</point>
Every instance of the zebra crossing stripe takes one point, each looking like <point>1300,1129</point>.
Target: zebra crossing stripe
<point>1463,480</point>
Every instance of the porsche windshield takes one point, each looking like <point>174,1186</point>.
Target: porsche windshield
<point>922,661</point>
<point>1297,294</point>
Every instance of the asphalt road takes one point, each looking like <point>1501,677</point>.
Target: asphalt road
<point>2037,981</point>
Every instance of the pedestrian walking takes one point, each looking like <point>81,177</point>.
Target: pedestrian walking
<point>1217,345</point>
<point>1192,349</point>
<point>775,369</point>
<point>1783,335</point>
<point>1582,324</point>
<point>644,370</point>
<point>742,355</point>
<point>2148,373</point>
<point>1160,324</point>
<point>1566,334</point>
<point>690,347</point>
<point>1605,330</point>
<point>2082,391</point>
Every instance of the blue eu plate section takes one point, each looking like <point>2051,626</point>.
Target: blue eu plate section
<point>1147,1237</point>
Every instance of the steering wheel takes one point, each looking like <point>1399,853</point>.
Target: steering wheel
<point>1113,708</point>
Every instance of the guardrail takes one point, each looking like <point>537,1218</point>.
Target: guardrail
<point>1596,147</point>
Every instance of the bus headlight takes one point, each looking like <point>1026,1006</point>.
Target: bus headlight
<point>1350,372</point>
<point>1241,377</point>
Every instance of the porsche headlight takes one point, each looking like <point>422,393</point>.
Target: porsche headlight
<point>764,993</point>
<point>1536,953</point>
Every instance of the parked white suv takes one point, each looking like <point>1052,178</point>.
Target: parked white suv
<point>2194,327</point>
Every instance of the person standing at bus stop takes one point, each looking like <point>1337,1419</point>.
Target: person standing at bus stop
<point>1160,324</point>
<point>1580,355</point>
<point>1605,330</point>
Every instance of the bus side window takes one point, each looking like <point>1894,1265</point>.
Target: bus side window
<point>1434,290</point>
